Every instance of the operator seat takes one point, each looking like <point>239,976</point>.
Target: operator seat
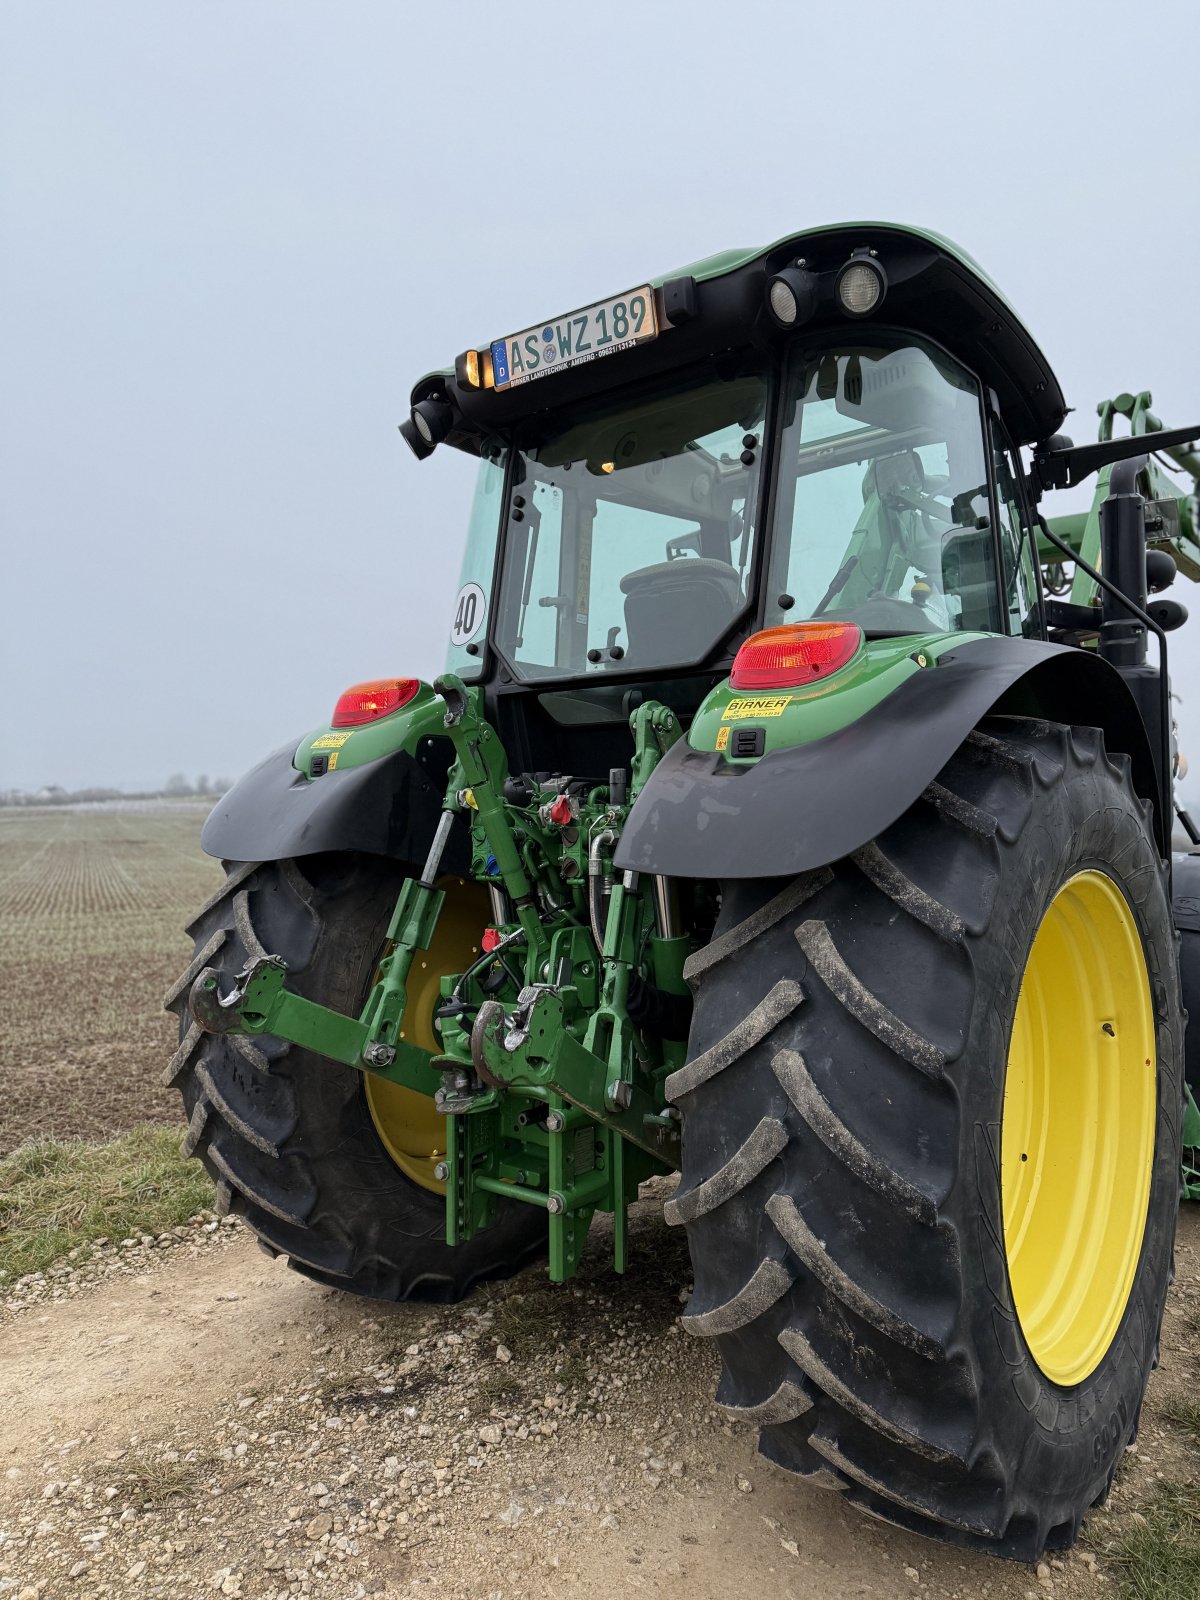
<point>675,610</point>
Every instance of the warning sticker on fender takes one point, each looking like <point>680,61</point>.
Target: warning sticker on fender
<point>756,706</point>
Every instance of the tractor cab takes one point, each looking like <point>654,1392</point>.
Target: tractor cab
<point>781,441</point>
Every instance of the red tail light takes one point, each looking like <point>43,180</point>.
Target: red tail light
<point>793,655</point>
<point>367,702</point>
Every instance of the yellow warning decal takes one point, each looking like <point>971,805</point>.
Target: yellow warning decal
<point>330,741</point>
<point>722,738</point>
<point>772,705</point>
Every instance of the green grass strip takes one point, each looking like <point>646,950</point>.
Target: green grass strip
<point>1158,1557</point>
<point>57,1194</point>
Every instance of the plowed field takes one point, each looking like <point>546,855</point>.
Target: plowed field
<point>92,907</point>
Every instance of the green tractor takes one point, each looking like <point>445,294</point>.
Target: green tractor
<point>780,819</point>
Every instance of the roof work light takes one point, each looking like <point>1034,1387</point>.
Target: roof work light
<point>861,285</point>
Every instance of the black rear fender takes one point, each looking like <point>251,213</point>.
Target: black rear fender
<point>388,807</point>
<point>802,807</point>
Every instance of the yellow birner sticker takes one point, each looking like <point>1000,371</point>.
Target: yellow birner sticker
<point>330,741</point>
<point>773,705</point>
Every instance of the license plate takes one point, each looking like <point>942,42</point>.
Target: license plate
<point>600,330</point>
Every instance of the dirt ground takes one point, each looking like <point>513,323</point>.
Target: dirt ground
<point>92,907</point>
<point>182,1417</point>
<point>346,1449</point>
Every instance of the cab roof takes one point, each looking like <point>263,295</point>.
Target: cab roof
<point>933,288</point>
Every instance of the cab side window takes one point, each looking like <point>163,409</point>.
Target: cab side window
<point>1019,575</point>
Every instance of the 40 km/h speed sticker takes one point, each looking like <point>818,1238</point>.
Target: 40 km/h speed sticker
<point>469,611</point>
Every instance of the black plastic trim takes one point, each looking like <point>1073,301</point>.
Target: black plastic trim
<point>1185,901</point>
<point>700,816</point>
<point>388,807</point>
<point>930,291</point>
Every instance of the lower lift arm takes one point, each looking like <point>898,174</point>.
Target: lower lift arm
<point>261,1003</point>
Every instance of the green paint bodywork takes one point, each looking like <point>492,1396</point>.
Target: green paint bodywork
<point>878,668</point>
<point>421,718</point>
<point>798,716</point>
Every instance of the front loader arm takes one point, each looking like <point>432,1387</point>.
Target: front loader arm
<point>1173,521</point>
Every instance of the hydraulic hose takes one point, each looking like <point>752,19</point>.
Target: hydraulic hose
<point>595,890</point>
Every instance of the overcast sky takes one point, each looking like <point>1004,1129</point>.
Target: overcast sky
<point>231,236</point>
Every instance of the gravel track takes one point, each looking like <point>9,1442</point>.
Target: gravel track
<point>183,1417</point>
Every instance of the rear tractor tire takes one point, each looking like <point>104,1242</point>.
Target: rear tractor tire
<point>333,1171</point>
<point>931,1129</point>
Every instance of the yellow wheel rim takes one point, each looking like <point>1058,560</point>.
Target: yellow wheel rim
<point>1077,1136</point>
<point>413,1132</point>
